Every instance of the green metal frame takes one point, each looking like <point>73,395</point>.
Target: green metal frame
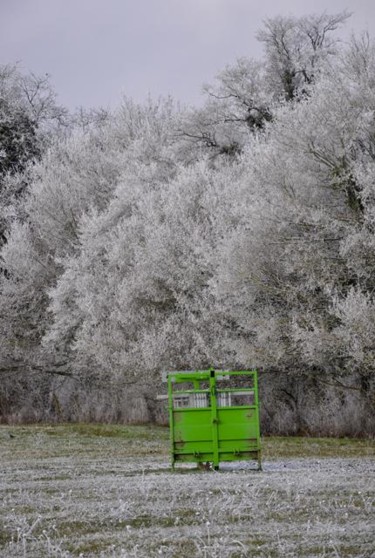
<point>207,424</point>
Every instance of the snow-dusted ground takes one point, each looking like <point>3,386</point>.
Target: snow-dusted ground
<point>78,497</point>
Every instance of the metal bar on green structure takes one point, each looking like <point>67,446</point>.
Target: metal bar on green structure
<point>171,421</point>
<point>214,419</point>
<point>256,402</point>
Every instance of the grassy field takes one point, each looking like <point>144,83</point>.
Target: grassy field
<point>95,490</point>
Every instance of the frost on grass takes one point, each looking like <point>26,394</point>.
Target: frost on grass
<point>108,501</point>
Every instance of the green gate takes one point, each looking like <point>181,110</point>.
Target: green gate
<point>214,416</point>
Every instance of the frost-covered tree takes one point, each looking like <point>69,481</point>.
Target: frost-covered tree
<point>237,105</point>
<point>295,49</point>
<point>140,287</point>
<point>245,95</point>
<point>28,110</point>
<point>77,176</point>
<point>294,265</point>
<point>29,117</point>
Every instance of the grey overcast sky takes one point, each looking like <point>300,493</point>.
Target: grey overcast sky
<point>96,50</point>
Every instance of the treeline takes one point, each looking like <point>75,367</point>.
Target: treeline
<point>236,235</point>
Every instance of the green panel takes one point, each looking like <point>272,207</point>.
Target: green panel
<point>192,435</point>
<point>201,458</point>
<point>193,447</point>
<point>195,433</point>
<point>220,432</point>
<point>237,423</point>
<point>232,456</point>
<point>190,426</point>
<point>236,445</point>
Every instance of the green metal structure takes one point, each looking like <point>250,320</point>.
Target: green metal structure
<point>214,416</point>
